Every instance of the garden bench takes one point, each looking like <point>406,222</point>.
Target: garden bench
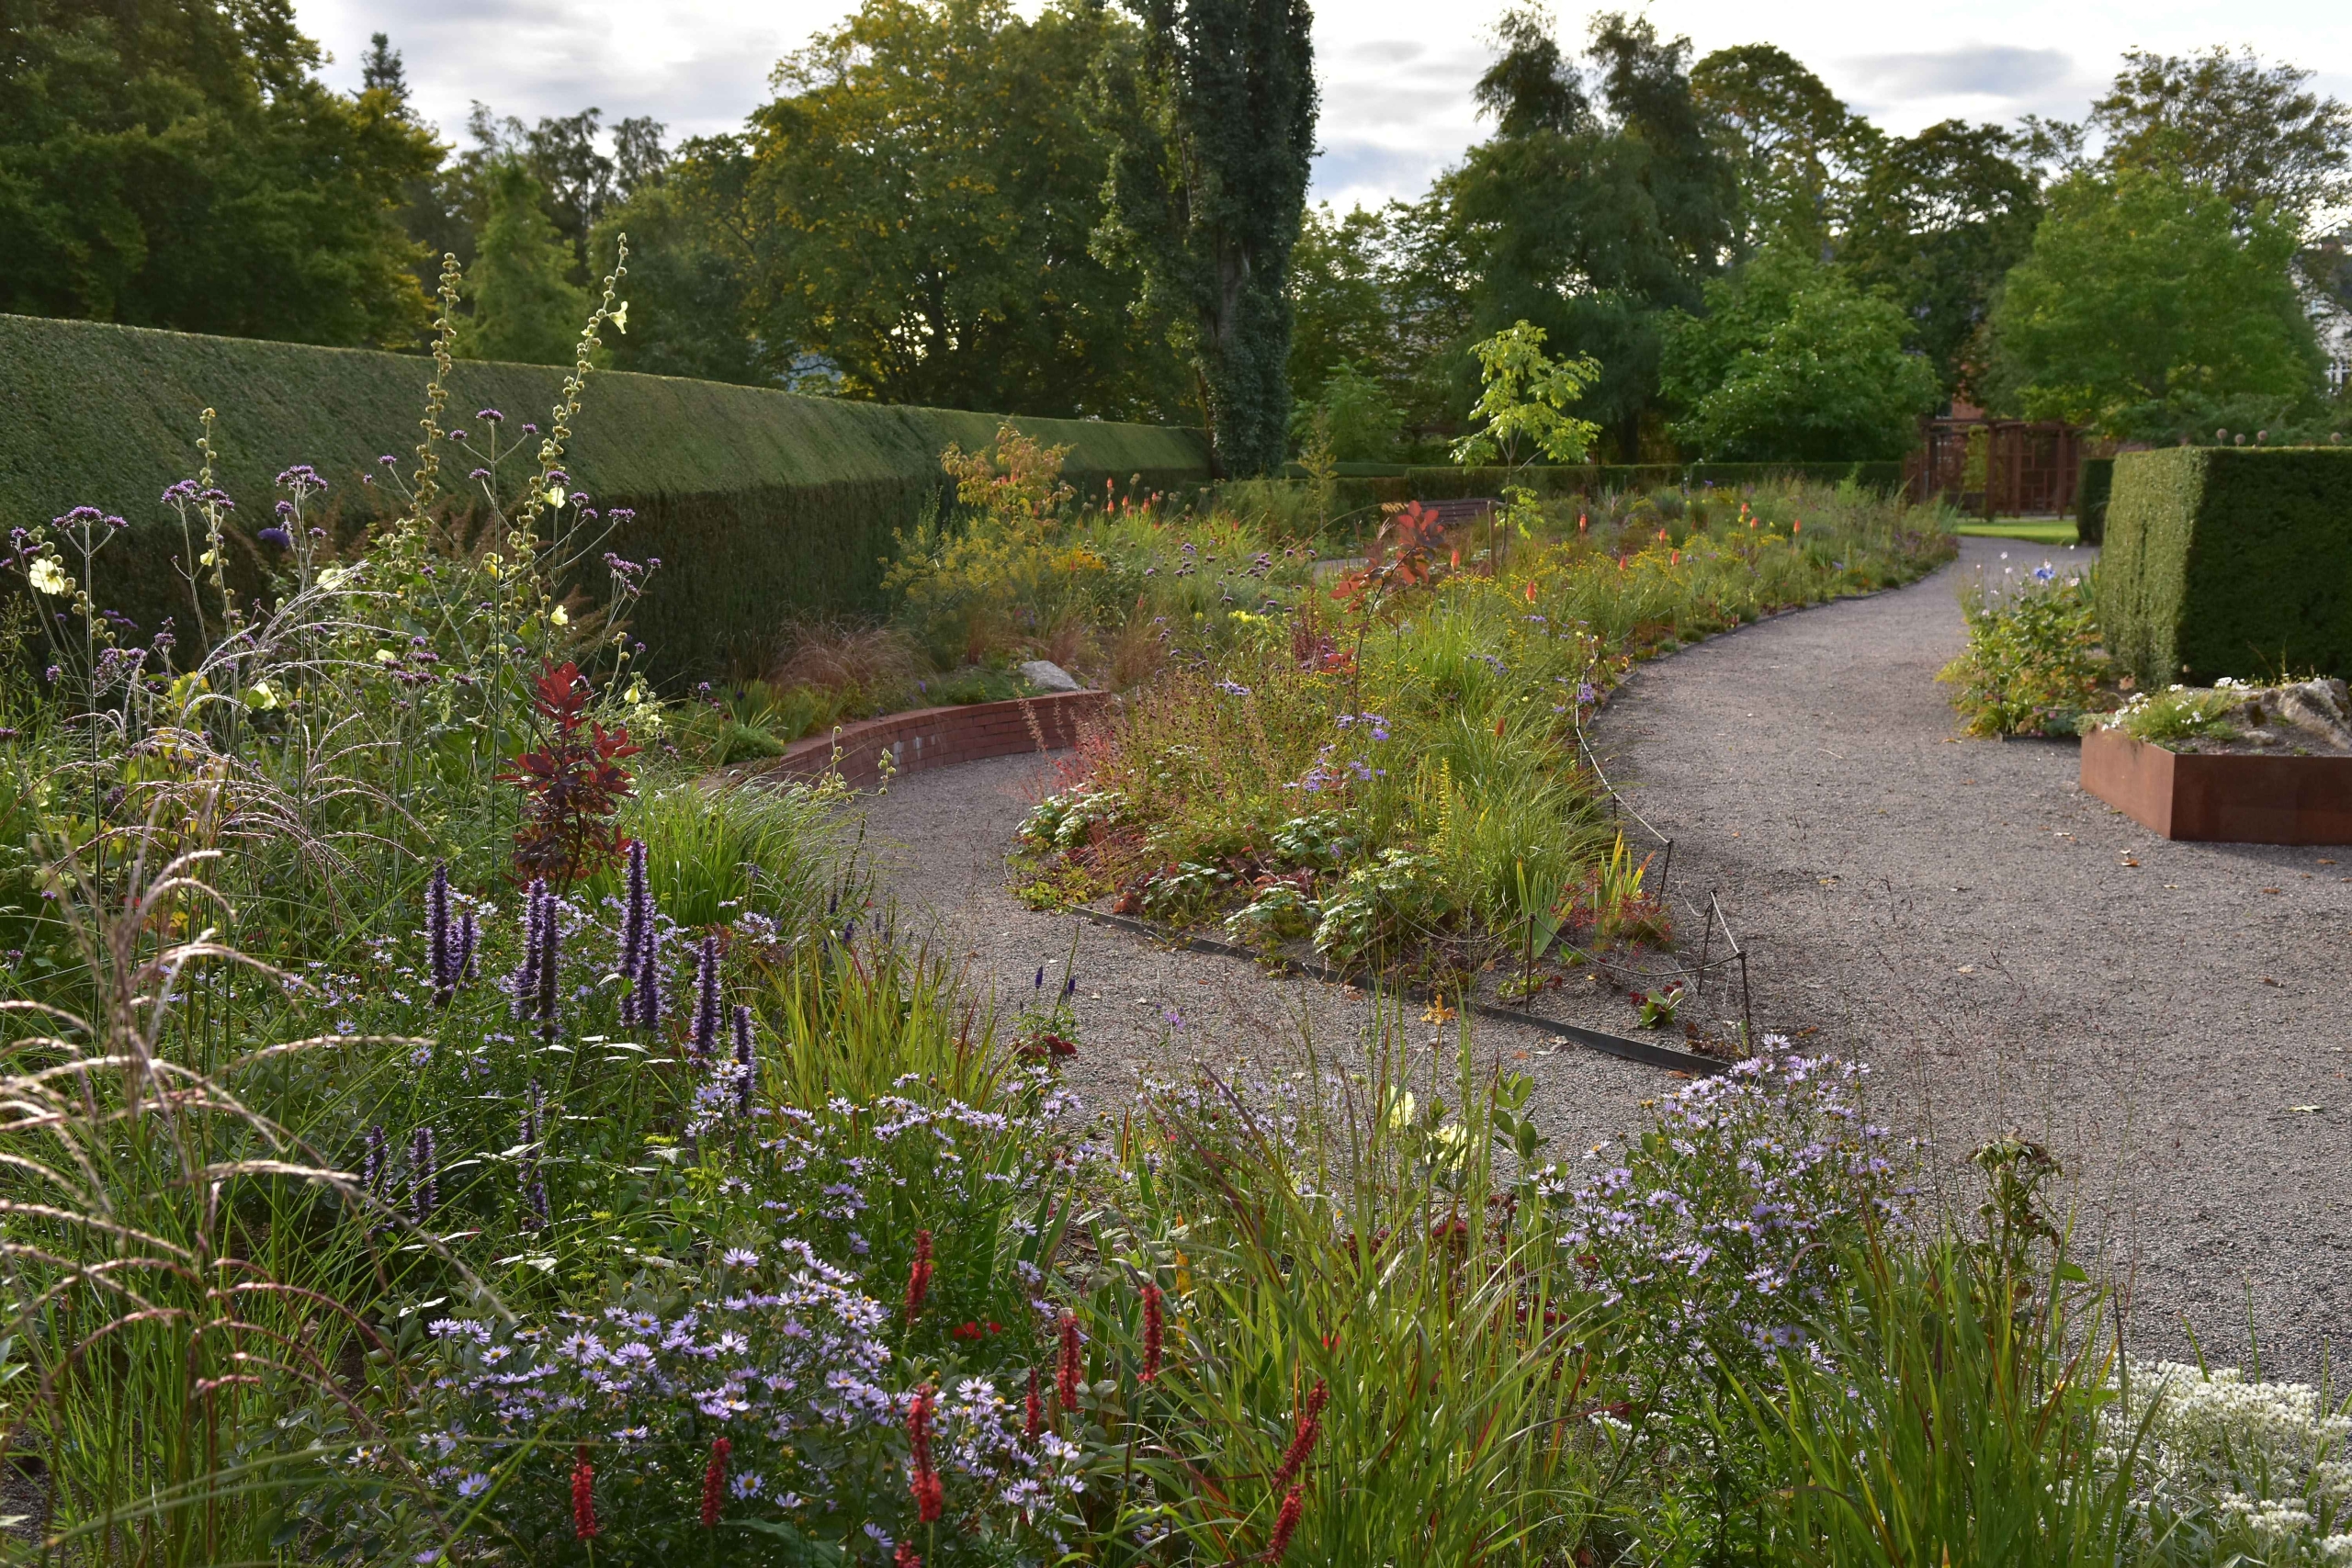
<point>1454,513</point>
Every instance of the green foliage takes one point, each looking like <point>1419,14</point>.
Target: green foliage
<point>180,164</point>
<point>2092,487</point>
<point>1936,222</point>
<point>2228,562</point>
<point>525,307</point>
<point>916,208</point>
<point>758,503</point>
<point>2033,664</point>
<point>2177,713</point>
<point>1215,126</point>
<point>1634,197</point>
<point>1793,361</point>
<point>1795,144</point>
<point>686,281</point>
<point>1357,421</point>
<point>1523,401</point>
<point>2143,294</point>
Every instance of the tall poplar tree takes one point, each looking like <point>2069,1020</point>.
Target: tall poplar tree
<point>1215,128</point>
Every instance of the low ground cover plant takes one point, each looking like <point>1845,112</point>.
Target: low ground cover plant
<point>1385,765</point>
<point>2034,663</point>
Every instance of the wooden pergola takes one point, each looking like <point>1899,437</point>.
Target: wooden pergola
<point>2030,466</point>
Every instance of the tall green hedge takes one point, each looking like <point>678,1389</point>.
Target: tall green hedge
<point>2229,561</point>
<point>759,503</point>
<point>2092,487</point>
<point>1365,485</point>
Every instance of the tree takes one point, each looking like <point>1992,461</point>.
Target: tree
<point>526,308</point>
<point>1341,294</point>
<point>178,164</point>
<point>2251,133</point>
<point>916,208</point>
<point>1523,402</point>
<point>2147,298</point>
<point>381,70</point>
<point>1586,222</point>
<point>1791,362</point>
<point>688,264</point>
<point>1937,221</point>
<point>1357,417</point>
<point>1793,143</point>
<point>1216,128</point>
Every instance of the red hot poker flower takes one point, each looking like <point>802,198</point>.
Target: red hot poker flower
<point>714,1483</point>
<point>1072,1363</point>
<point>1154,1331</point>
<point>583,1495</point>
<point>919,1277</point>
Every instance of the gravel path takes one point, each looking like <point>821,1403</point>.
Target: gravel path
<point>2171,1019</point>
<point>939,839</point>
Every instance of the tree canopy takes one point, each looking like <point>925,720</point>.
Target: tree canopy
<point>2146,300</point>
<point>178,164</point>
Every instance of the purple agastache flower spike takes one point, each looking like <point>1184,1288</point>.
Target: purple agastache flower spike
<point>468,936</point>
<point>705,1020</point>
<point>1039,983</point>
<point>374,1148</point>
<point>424,1175</point>
<point>527,977</point>
<point>637,939</point>
<point>550,933</point>
<point>744,1062</point>
<point>1070,986</point>
<point>527,1170</point>
<point>440,951</point>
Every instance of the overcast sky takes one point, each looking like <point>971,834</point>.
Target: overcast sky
<point>1396,73</point>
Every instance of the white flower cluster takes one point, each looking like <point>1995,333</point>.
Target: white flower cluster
<point>2254,1467</point>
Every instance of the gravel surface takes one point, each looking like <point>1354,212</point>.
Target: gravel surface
<point>2170,1019</point>
<point>939,839</point>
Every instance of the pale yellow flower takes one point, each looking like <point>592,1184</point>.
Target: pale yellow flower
<point>386,656</point>
<point>48,577</point>
<point>559,615</point>
<point>555,495</point>
<point>620,317</point>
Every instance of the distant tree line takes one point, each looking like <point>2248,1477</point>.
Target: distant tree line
<point>1101,212</point>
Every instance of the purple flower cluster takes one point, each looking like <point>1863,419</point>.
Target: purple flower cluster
<point>640,948</point>
<point>448,944</point>
<point>703,1038</point>
<point>1719,1232</point>
<point>534,985</point>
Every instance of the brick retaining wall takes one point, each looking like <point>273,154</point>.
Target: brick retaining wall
<point>937,738</point>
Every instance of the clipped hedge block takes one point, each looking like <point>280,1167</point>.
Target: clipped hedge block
<point>2222,560</point>
<point>759,503</point>
<point>2093,486</point>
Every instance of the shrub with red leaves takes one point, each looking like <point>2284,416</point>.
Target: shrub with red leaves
<point>572,784</point>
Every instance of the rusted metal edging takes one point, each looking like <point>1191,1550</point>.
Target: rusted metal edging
<point>1643,1050</point>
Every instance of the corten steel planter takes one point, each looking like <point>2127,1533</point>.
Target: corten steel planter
<point>936,737</point>
<point>2221,799</point>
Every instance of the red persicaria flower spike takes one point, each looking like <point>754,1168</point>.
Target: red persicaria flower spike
<point>583,1495</point>
<point>714,1483</point>
<point>924,1483</point>
<point>1072,1364</point>
<point>1154,1330</point>
<point>1034,1411</point>
<point>1285,1525</point>
<point>918,1276</point>
<point>1303,1437</point>
<point>906,1556</point>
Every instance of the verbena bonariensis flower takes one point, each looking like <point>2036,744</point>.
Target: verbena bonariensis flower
<point>1309,1427</point>
<point>918,1276</point>
<point>1153,1329</point>
<point>705,1033</point>
<point>714,1482</point>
